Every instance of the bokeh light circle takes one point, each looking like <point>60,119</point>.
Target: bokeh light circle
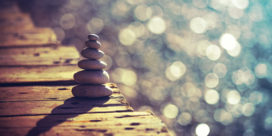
<point>156,25</point>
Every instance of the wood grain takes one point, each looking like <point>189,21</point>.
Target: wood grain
<point>11,19</point>
<point>53,55</point>
<point>31,37</point>
<point>41,100</point>
<point>37,74</point>
<point>17,29</point>
<point>42,93</point>
<point>15,22</point>
<point>69,106</point>
<point>124,123</point>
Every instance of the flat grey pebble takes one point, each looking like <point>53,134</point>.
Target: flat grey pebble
<point>93,44</point>
<point>91,77</point>
<point>91,64</point>
<point>91,91</point>
<point>93,37</point>
<point>91,53</point>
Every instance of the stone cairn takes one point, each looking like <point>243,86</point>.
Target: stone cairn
<point>92,79</point>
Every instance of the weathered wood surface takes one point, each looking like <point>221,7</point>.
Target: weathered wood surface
<point>28,103</point>
<point>48,114</point>
<point>117,124</point>
<point>35,37</point>
<point>38,110</point>
<point>14,20</point>
<point>37,74</point>
<point>52,55</point>
<point>42,93</point>
<point>35,99</point>
<point>18,30</point>
<point>18,21</point>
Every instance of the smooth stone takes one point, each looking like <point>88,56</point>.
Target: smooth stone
<point>92,53</point>
<point>93,44</point>
<point>91,64</point>
<point>93,37</point>
<point>91,77</point>
<point>91,91</point>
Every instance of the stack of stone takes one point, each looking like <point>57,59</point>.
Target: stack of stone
<point>92,79</point>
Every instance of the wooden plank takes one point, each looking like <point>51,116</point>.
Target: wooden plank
<point>127,118</point>
<point>17,29</point>
<point>15,22</point>
<point>54,55</point>
<point>37,74</point>
<point>77,119</point>
<point>31,37</point>
<point>42,93</point>
<point>55,100</point>
<point>69,106</point>
<point>125,123</point>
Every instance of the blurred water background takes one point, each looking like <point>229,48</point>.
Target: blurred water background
<point>203,66</point>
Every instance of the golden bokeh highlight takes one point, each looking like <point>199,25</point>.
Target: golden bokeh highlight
<point>211,80</point>
<point>213,52</point>
<point>127,37</point>
<point>170,111</point>
<point>95,25</point>
<point>261,70</point>
<point>198,25</point>
<point>185,118</point>
<point>223,116</point>
<point>67,21</point>
<point>143,12</point>
<point>233,97</point>
<point>156,25</point>
<point>175,71</point>
<point>202,129</point>
<point>211,96</point>
<point>125,76</point>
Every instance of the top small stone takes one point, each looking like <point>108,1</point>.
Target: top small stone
<point>93,37</point>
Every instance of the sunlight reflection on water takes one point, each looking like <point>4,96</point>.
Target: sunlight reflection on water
<point>203,66</point>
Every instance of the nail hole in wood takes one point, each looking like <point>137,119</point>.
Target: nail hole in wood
<point>68,60</point>
<point>95,120</point>
<point>56,62</point>
<point>134,124</point>
<point>129,128</point>
<point>36,54</point>
<point>164,129</point>
<point>62,89</point>
<point>149,129</point>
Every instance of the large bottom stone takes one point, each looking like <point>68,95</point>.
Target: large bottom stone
<point>91,91</point>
